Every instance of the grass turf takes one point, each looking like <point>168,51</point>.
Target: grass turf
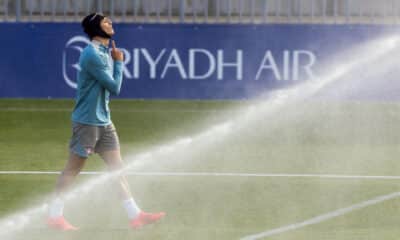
<point>334,138</point>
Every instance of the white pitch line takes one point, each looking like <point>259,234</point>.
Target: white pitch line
<point>214,174</point>
<point>323,217</point>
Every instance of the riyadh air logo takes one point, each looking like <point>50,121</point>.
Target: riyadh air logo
<point>70,63</point>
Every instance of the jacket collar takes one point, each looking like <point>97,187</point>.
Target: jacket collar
<point>98,45</point>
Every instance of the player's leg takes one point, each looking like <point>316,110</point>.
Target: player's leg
<point>72,168</point>
<point>137,217</point>
<point>82,144</point>
<point>56,218</point>
<point>114,163</point>
<point>109,150</point>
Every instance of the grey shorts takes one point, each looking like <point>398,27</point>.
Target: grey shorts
<point>88,139</point>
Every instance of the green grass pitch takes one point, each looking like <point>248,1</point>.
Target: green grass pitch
<point>313,137</point>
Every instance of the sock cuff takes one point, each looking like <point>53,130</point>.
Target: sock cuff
<point>128,201</point>
<point>131,207</point>
<point>56,208</point>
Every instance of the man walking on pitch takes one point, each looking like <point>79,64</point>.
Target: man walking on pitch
<point>93,131</point>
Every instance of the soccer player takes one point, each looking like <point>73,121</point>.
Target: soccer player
<point>93,131</point>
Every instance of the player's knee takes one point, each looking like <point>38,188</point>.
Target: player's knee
<point>115,167</point>
<point>70,172</point>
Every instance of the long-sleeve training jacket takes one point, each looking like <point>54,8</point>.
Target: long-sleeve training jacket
<point>99,76</point>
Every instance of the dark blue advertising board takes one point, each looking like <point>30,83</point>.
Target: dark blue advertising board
<point>175,61</point>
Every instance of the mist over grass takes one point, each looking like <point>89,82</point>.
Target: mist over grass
<point>288,132</point>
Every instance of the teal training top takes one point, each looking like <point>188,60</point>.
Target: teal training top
<point>97,78</point>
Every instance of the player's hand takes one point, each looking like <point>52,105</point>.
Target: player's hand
<point>116,54</point>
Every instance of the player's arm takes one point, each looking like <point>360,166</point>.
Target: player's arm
<point>99,70</point>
